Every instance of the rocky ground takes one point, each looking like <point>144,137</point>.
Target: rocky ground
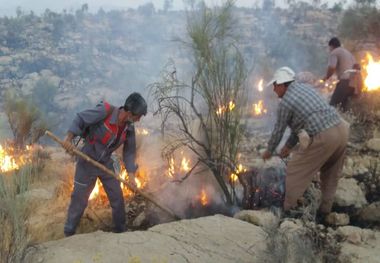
<point>91,53</point>
<point>351,234</point>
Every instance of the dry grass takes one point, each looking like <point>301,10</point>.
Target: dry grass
<point>13,214</point>
<point>15,207</point>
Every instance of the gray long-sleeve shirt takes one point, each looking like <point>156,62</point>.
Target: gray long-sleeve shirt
<point>302,108</point>
<point>90,124</point>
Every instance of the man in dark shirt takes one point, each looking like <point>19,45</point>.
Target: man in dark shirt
<point>104,129</point>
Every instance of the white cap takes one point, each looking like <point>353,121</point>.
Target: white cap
<point>282,75</point>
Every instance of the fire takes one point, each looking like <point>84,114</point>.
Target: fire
<point>372,69</point>
<point>260,85</point>
<point>11,160</point>
<point>96,190</point>
<point>328,84</point>
<point>142,131</point>
<point>185,164</point>
<point>183,167</point>
<point>171,171</point>
<point>140,180</point>
<point>231,106</point>
<point>258,108</point>
<point>240,169</point>
<point>222,109</point>
<point>203,198</point>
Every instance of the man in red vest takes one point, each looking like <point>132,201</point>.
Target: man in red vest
<point>104,129</point>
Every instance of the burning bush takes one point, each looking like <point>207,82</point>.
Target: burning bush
<point>209,109</point>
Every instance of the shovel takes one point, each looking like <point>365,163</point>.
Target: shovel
<point>110,172</point>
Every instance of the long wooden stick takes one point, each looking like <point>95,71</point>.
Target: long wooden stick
<point>110,172</point>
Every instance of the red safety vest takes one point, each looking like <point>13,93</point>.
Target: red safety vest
<point>110,129</point>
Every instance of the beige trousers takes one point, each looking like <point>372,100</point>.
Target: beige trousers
<point>325,154</point>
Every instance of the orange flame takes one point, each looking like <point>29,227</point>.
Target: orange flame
<point>234,175</point>
<point>203,198</point>
<point>11,160</point>
<point>260,85</point>
<point>371,70</point>
<point>183,167</point>
<point>140,181</point>
<point>142,131</point>
<point>258,108</point>
<point>185,164</point>
<point>171,171</point>
<point>96,190</point>
<point>222,109</point>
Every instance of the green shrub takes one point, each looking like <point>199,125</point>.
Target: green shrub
<point>24,119</point>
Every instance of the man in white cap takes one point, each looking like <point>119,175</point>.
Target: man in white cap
<point>318,139</point>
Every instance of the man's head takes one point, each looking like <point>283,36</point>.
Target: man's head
<point>334,43</point>
<point>281,80</point>
<point>135,106</point>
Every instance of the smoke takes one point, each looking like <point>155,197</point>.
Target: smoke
<point>181,195</point>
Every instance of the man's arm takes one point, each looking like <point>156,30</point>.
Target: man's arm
<point>333,62</point>
<point>329,73</point>
<point>290,143</point>
<point>87,118</point>
<point>129,151</point>
<point>283,114</point>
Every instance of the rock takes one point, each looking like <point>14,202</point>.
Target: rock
<point>376,133</point>
<point>355,235</point>
<point>139,220</point>
<point>348,193</point>
<point>291,225</point>
<point>365,252</point>
<point>348,171</point>
<point>349,162</point>
<point>371,213</point>
<point>262,218</point>
<point>337,219</point>
<point>208,239</point>
<point>374,144</point>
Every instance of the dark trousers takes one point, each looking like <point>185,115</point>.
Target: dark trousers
<point>84,182</point>
<point>341,94</point>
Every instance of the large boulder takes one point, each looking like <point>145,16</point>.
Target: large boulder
<point>371,213</point>
<point>355,235</point>
<point>349,193</point>
<point>262,218</point>
<point>207,239</point>
<point>337,219</point>
<point>374,144</point>
<point>365,247</point>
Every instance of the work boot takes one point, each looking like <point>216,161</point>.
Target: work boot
<point>68,234</point>
<point>119,229</point>
<point>320,218</point>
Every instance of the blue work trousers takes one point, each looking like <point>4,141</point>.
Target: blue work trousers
<point>84,182</point>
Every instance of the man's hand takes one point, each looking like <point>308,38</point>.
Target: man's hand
<point>68,143</point>
<point>132,179</point>
<point>266,155</point>
<point>285,151</point>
